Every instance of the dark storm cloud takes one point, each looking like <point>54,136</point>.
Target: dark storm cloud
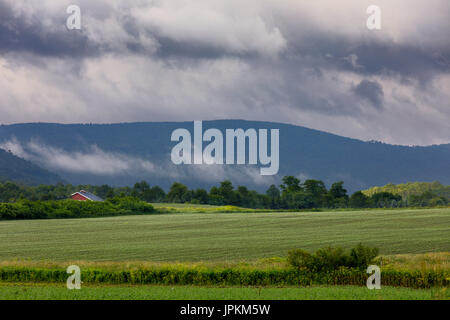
<point>19,35</point>
<point>323,50</point>
<point>372,91</point>
<point>289,61</point>
<point>373,57</point>
<point>169,48</point>
<point>406,60</point>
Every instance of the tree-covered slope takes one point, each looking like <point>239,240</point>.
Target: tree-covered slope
<point>13,168</point>
<point>412,188</point>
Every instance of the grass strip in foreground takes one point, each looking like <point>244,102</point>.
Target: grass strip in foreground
<point>48,291</point>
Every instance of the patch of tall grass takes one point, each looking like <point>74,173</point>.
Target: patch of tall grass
<point>222,276</point>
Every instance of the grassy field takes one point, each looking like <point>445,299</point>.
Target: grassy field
<point>222,236</point>
<point>23,291</point>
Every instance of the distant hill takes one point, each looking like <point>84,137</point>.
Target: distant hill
<point>13,168</point>
<point>121,154</point>
<point>412,188</point>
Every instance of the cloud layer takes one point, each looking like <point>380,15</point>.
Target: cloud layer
<point>98,162</point>
<point>311,63</point>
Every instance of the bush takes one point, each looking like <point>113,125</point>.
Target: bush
<point>132,204</point>
<point>300,259</point>
<point>362,257</point>
<point>332,258</point>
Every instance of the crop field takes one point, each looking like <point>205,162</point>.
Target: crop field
<point>206,242</point>
<point>222,236</point>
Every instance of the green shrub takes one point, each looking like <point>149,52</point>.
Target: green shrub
<point>362,257</point>
<point>332,258</point>
<point>132,204</point>
<point>300,259</point>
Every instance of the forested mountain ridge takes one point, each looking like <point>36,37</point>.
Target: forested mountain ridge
<point>123,153</point>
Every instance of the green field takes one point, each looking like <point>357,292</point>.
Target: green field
<point>220,240</point>
<point>145,292</point>
<point>222,236</point>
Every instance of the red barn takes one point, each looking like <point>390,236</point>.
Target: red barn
<point>85,196</point>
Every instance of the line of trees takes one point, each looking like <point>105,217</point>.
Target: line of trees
<point>291,194</point>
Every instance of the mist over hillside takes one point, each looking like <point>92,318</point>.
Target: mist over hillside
<point>121,154</point>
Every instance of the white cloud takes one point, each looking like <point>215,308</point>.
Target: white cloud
<point>95,161</point>
<point>231,26</point>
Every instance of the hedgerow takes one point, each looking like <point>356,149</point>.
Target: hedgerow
<point>229,276</point>
<point>25,209</point>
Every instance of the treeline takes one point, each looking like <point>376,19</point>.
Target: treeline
<point>291,194</point>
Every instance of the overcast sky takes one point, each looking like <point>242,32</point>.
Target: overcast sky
<point>310,63</point>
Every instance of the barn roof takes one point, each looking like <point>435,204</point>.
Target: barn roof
<point>88,195</point>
